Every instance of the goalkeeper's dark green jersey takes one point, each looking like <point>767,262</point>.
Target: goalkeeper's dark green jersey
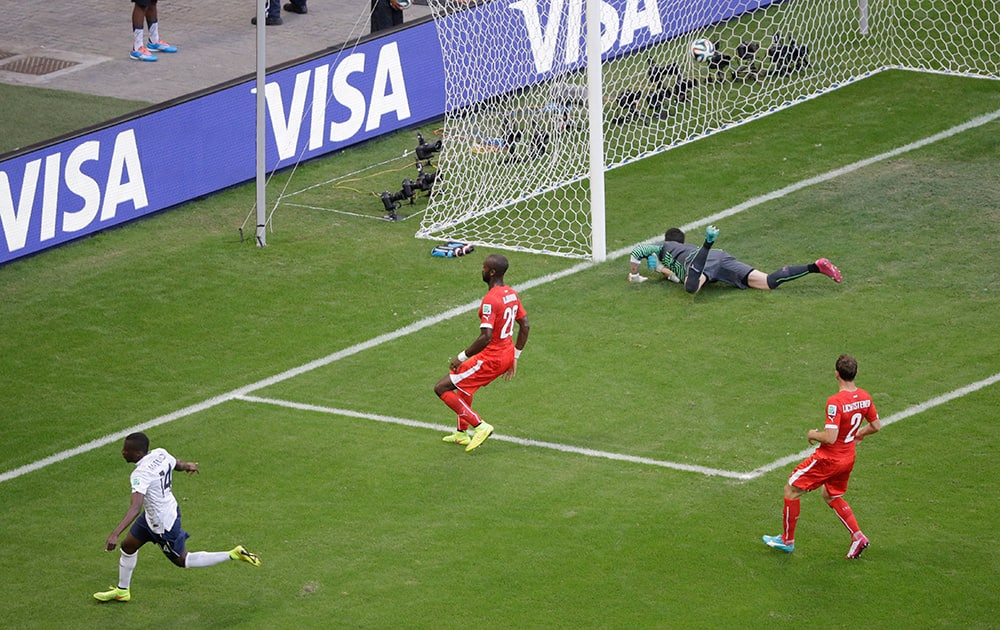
<point>660,250</point>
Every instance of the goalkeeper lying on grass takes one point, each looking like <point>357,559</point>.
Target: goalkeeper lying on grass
<point>696,266</point>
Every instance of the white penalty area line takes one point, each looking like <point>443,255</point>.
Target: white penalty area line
<point>565,448</point>
<point>471,306</point>
<point>621,457</point>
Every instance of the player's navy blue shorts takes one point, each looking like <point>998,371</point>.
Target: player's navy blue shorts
<point>172,542</point>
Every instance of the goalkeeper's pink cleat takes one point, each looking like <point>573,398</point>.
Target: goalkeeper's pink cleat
<point>829,269</point>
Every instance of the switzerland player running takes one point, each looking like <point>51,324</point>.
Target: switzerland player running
<point>492,354</point>
<point>830,466</point>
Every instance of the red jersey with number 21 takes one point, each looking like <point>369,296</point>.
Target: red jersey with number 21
<point>846,411</point>
<point>501,307</point>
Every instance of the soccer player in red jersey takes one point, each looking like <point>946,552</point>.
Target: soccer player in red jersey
<point>831,464</point>
<point>494,353</point>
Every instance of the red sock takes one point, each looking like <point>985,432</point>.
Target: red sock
<point>845,514</point>
<point>463,424</point>
<point>460,406</point>
<point>790,517</point>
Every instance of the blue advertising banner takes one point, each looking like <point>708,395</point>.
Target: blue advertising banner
<point>544,38</point>
<point>123,172</point>
<point>167,157</point>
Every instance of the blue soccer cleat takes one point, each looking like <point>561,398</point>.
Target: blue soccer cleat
<point>775,542</point>
<point>142,54</point>
<point>161,46</point>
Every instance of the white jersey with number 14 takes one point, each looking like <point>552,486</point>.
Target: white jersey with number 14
<point>153,478</point>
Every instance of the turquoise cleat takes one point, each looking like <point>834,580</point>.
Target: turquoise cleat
<point>775,542</point>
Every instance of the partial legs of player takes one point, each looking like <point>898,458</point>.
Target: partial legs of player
<point>695,279</point>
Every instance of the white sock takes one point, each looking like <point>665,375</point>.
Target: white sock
<point>198,559</point>
<point>126,564</point>
<point>154,32</point>
<point>137,35</point>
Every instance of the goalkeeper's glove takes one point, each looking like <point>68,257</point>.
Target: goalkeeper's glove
<point>634,277</point>
<point>652,262</point>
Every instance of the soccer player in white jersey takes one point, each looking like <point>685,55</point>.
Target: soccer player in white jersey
<point>155,517</point>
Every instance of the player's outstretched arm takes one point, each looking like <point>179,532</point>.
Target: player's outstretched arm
<point>667,273</point>
<point>188,467</point>
<point>633,271</point>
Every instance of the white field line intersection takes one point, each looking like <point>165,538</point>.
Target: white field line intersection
<point>646,461</point>
<point>471,306</point>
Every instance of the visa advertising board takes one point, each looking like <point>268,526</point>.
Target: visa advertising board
<point>169,156</point>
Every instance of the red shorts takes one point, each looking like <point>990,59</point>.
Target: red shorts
<point>821,471</point>
<point>476,372</point>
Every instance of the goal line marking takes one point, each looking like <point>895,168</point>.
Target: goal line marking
<point>461,310</point>
<point>622,457</point>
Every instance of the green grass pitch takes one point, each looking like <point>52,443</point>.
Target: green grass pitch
<point>368,524</point>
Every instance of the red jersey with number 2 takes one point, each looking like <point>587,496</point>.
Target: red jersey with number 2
<point>846,411</point>
<point>500,309</point>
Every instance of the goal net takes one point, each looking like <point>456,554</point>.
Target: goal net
<point>513,169</point>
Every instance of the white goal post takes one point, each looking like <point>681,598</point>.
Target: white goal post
<point>524,151</point>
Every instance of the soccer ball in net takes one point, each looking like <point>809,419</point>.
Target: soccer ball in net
<point>702,50</point>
